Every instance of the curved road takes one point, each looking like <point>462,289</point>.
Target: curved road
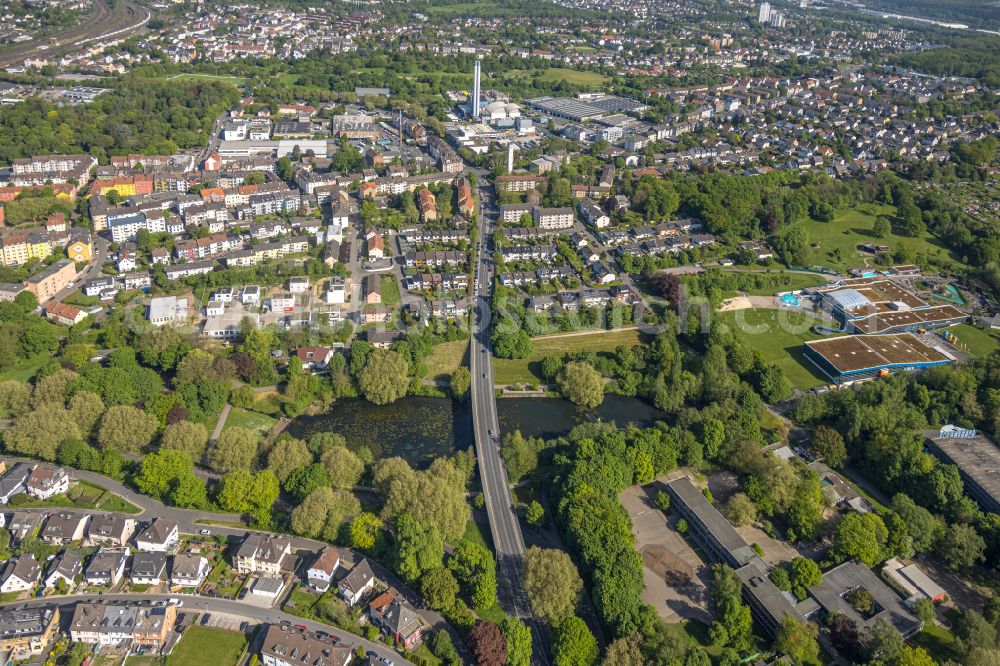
<point>232,607</point>
<point>188,523</point>
<point>105,22</point>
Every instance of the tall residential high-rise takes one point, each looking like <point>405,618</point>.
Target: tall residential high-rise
<point>476,92</point>
<point>765,12</point>
<point>510,157</point>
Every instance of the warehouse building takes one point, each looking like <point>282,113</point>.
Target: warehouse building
<point>586,107</point>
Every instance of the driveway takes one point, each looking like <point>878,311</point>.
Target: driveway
<point>674,575</point>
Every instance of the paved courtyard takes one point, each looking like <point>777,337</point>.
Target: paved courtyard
<point>674,575</point>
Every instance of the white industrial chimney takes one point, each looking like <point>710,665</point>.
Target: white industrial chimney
<point>476,91</point>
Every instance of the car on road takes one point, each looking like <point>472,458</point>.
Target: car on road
<point>492,434</point>
<point>301,627</point>
<point>205,532</point>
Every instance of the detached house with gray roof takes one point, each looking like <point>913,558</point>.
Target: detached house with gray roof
<point>160,536</point>
<point>359,582</point>
<point>110,530</point>
<point>14,481</point>
<point>20,574</point>
<point>64,527</point>
<point>66,566</point>
<point>107,567</point>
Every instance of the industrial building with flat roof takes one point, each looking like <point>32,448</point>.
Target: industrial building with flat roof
<point>854,357</point>
<point>977,459</point>
<point>584,107</point>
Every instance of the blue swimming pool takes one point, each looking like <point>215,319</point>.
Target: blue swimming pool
<point>790,299</point>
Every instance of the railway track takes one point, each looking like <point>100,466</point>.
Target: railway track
<point>104,22</point>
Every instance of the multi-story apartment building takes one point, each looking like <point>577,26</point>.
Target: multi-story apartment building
<point>553,218</point>
<point>48,282</point>
<point>125,223</point>
<point>262,554</point>
<point>287,646</point>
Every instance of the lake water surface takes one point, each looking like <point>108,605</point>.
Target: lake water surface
<point>421,429</point>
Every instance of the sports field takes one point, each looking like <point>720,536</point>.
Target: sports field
<point>976,341</point>
<point>234,80</point>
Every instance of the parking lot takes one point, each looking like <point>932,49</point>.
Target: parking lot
<point>227,622</point>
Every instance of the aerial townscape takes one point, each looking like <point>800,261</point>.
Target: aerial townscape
<point>500,332</point>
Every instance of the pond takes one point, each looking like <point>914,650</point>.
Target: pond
<point>416,428</point>
<point>421,429</point>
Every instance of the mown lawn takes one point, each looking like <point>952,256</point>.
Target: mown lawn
<point>573,76</point>
<point>26,370</point>
<point>244,418</point>
<point>81,495</point>
<point>976,341</point>
<point>446,357</point>
<point>196,77</point>
<point>525,370</point>
<point>779,335</point>
<point>300,602</point>
<point>422,655</point>
<point>205,646</point>
<point>939,643</point>
<point>838,240</point>
<point>390,290</point>
<point>478,533</point>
